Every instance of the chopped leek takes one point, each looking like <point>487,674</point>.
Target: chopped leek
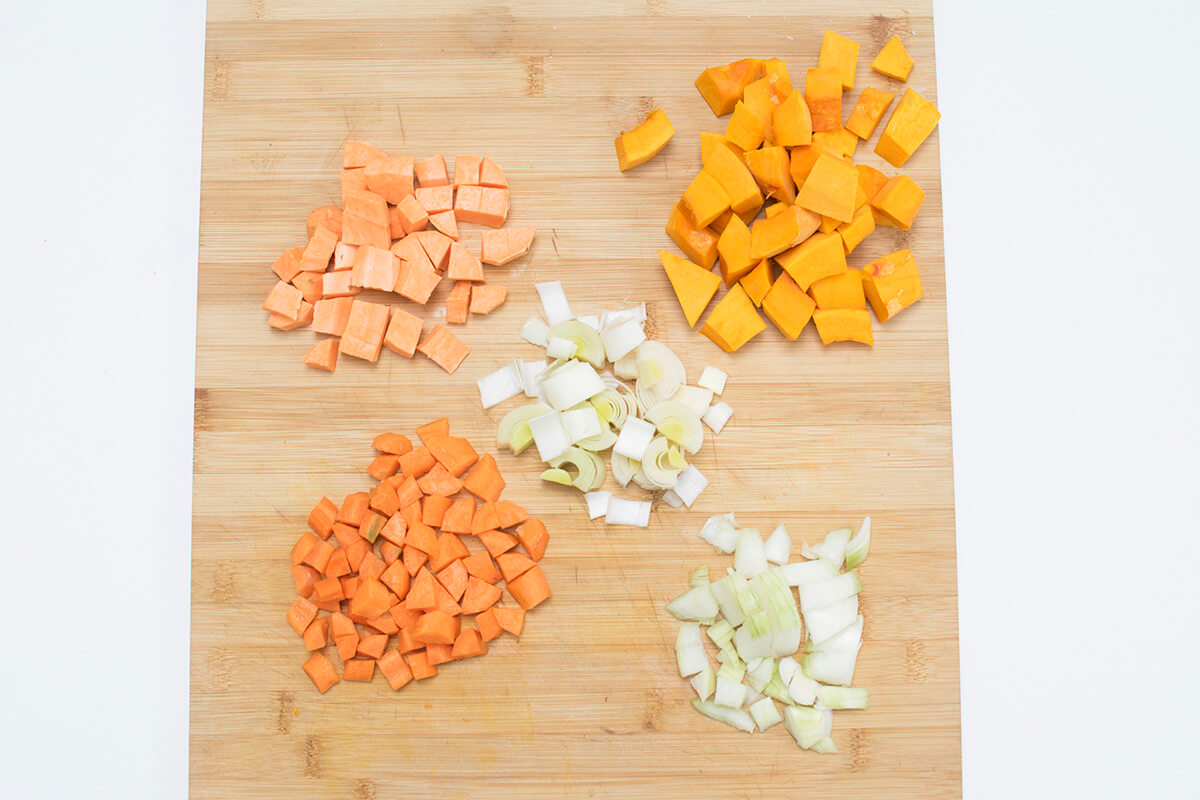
<point>590,469</point>
<point>634,439</point>
<point>554,301</point>
<point>549,436</point>
<point>581,422</point>
<point>628,512</point>
<point>534,331</point>
<point>571,384</point>
<point>657,464</point>
<point>688,486</point>
<point>558,347</point>
<point>513,430</point>
<point>559,476</point>
<point>678,423</point>
<point>621,337</point>
<point>597,503</point>
<point>500,385</point>
<point>624,468</point>
<point>695,398</point>
<point>588,345</point>
<point>660,373</point>
<point>713,379</point>
<point>717,416</point>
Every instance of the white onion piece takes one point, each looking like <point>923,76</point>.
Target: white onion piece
<point>723,593</point>
<point>695,604</point>
<point>721,533</point>
<point>748,557</point>
<point>673,500</point>
<point>534,331</point>
<point>730,693</point>
<point>831,666</point>
<point>689,650</point>
<point>704,682</point>
<point>620,338</point>
<point>803,689</point>
<point>848,638</point>
<point>635,437</point>
<point>549,436</point>
<point>688,486</point>
<point>695,398</point>
<point>712,378</point>
<point>501,385</point>
<point>788,667</point>
<point>825,746</point>
<point>554,301</point>
<point>758,673</point>
<point>571,384</point>
<point>765,713</point>
<point>825,622</point>
<point>832,548</point>
<point>814,596</point>
<point>753,696</point>
<point>734,717</point>
<point>778,547</point>
<point>717,416</point>
<point>559,347</point>
<point>803,572</point>
<point>844,697</point>
<point>679,423</point>
<point>597,503</point>
<point>628,512</point>
<point>858,547</point>
<point>807,725</point>
<point>750,646</point>
<point>581,423</point>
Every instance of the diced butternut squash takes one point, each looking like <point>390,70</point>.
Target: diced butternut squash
<point>870,181</point>
<point>776,73</point>
<point>792,121</point>
<point>893,60</point>
<point>844,290</point>
<point>802,160</point>
<point>781,231</point>
<point>910,124</point>
<point>892,283</point>
<point>842,54</point>
<point>830,188</point>
<point>710,141</point>
<point>829,224</point>
<point>757,100</point>
<point>745,129</point>
<point>734,321</point>
<point>757,282</point>
<point>841,141</point>
<point>823,93</point>
<point>641,144</point>
<point>899,201</point>
<point>698,244</point>
<point>721,87</point>
<point>363,336</point>
<point>868,111</point>
<point>788,306</point>
<point>704,200</point>
<point>693,284</point>
<point>733,246</point>
<point>819,256</point>
<point>735,178</point>
<point>770,168</point>
<point>857,229</point>
<point>323,355</point>
<point>843,325</point>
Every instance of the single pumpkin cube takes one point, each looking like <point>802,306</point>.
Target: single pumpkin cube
<point>640,144</point>
<point>757,282</point>
<point>841,54</point>
<point>868,111</point>
<point>781,231</point>
<point>776,73</point>
<point>720,222</point>
<point>744,129</point>
<point>844,290</point>
<point>899,201</point>
<point>870,180</point>
<point>841,141</point>
<point>788,306</point>
<point>721,87</point>
<point>911,123</point>
<point>857,229</point>
<point>704,200</point>
<point>733,246</point>
<point>892,283</point>
<point>769,166</point>
<point>758,101</point>
<point>710,140</point>
<point>802,160</point>
<point>843,325</point>
<point>734,321</point>
<point>893,60</point>
<point>693,284</point>
<point>830,188</point>
<point>823,93</point>
<point>819,256</point>
<point>698,244</point>
<point>792,122</point>
<point>775,208</point>
<point>735,178</point>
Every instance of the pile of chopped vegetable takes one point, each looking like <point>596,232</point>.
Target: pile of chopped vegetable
<point>752,618</point>
<point>377,567</point>
<point>792,147</point>
<point>644,411</point>
<point>397,230</point>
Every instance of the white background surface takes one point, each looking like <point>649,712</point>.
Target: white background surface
<point>1070,179</point>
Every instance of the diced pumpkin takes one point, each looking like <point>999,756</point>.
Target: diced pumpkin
<point>745,129</point>
<point>910,124</point>
<point>893,60</point>
<point>803,158</point>
<point>829,224</point>
<point>757,282</point>
<point>823,93</point>
<point>721,87</point>
<point>892,283</point>
<point>704,199</point>
<point>843,325</point>
<point>842,54</point>
<point>776,73</point>
<point>734,249</point>
<point>844,290</point>
<point>899,201</point>
<point>830,188</point>
<point>641,144</point>
<point>868,111</point>
<point>710,141</point>
<point>758,101</point>
<point>693,284</point>
<point>792,121</point>
<point>840,141</point>
<point>819,256</point>
<point>698,244</point>
<point>781,231</point>
<point>734,321</point>
<point>857,229</point>
<point>786,305</point>
<point>734,176</point>
<point>770,168</point>
<point>870,180</point>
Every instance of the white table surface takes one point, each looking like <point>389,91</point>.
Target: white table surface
<point>1071,184</point>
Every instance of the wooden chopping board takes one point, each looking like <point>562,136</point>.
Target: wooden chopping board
<point>588,703</point>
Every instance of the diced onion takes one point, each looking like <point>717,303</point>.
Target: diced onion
<point>748,557</point>
<point>848,638</point>
<point>597,503</point>
<point>712,378</point>
<point>803,572</point>
<point>765,713</point>
<point>832,548</point>
<point>734,717</point>
<point>825,622</point>
<point>704,682</point>
<point>814,596</point>
<point>721,533</point>
<point>689,650</point>
<point>844,697</point>
<point>730,692</point>
<point>831,666</point>
<point>501,385</point>
<point>717,416</point>
<point>858,547</point>
<point>534,331</point>
<point>696,604</point>
<point>808,726</point>
<point>549,436</point>
<point>554,301</point>
<point>628,512</point>
<point>778,547</point>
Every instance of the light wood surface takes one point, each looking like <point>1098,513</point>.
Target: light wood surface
<point>588,703</point>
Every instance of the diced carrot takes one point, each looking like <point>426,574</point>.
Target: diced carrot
<point>498,247</point>
<point>371,567</point>
<point>356,551</point>
<point>373,646</point>
<point>510,513</point>
<point>409,492</point>
<point>397,579</point>
<point>301,614</point>
<point>487,297</point>
<point>353,507</point>
<point>432,172</point>
<point>394,530</point>
<point>457,518</point>
<point>363,336</point>
<point>319,250</point>
<point>435,199</point>
<point>384,465</point>
<point>436,627</point>
<point>283,299</point>
<point>310,285</point>
<point>395,443</point>
<point>468,644</point>
<point>421,594</point>
<point>322,517</point>
<point>458,302</point>
<point>304,577</point>
<point>282,323</point>
<point>413,559</point>
<point>316,635</point>
<point>288,264</point>
<point>449,548</point>
<point>339,564</point>
<point>513,564</point>
<point>319,669</point>
<point>391,177</point>
<point>328,605</point>
<point>340,625</point>
<point>375,268</point>
<point>418,662</point>
<point>489,628</point>
<point>490,174</point>
<point>433,509</point>
<point>485,518</point>
<point>345,534</point>
<point>439,481</point>
<point>350,585</point>
<point>530,588</point>
<point>403,616</point>
<point>534,538</point>
<point>466,171</point>
<point>444,221</point>
<point>480,565</point>
<point>437,429</point>
<point>484,480</point>
<point>497,542</point>
<point>479,596</point>
<point>327,590</point>
<point>358,669</point>
<point>464,265</point>
<point>454,453</point>
<point>511,619</point>
<point>404,640</point>
<point>359,154</point>
<point>436,246</point>
<point>388,551</point>
<point>372,599</point>
<point>439,653</point>
<point>331,314</point>
<point>384,499</point>
<point>395,669</point>
<point>453,578</point>
<point>417,462</point>
<point>323,355</point>
<point>318,557</point>
<point>347,645</point>
<point>383,624</point>
<point>302,546</point>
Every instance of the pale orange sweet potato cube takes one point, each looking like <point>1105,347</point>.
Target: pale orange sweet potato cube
<point>487,297</point>
<point>466,171</point>
<point>363,336</point>
<point>323,355</point>
<point>309,284</point>
<point>432,172</point>
<point>435,199</point>
<point>330,315</point>
<point>337,284</point>
<point>366,204</point>
<point>502,246</point>
<point>353,180</point>
<point>445,222</point>
<point>343,256</point>
<point>443,348</point>
<point>412,217</point>
<point>359,231</point>
<point>493,207</point>
<point>419,281</point>
<point>464,266</point>
<point>284,300</point>
<point>403,333</point>
<point>467,202</point>
<point>284,324</point>
<point>390,177</point>
<point>288,264</point>
<point>375,269</point>
<point>359,154</point>
<point>437,246</point>
<point>490,174</point>
<point>319,250</point>
<point>458,302</point>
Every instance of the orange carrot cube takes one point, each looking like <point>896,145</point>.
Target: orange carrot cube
<point>319,669</point>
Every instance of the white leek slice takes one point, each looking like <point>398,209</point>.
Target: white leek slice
<point>628,512</point>
<point>803,572</point>
<point>610,406</point>
<point>848,638</point>
<point>571,384</point>
<point>560,347</point>
<point>531,376</point>
<point>758,675</point>
<point>513,430</point>
<point>626,367</point>
<point>831,666</point>
<point>826,622</point>
<point>730,692</point>
<point>712,378</point>
<point>697,603</point>
<point>778,547</point>
<point>634,439</point>
<point>832,548</point>
<point>689,650</point>
<point>621,337</point>
<point>748,558</point>
<point>825,746</point>
<point>534,331</point>
<point>858,547</point>
<point>844,697</point>
<point>501,385</point>
<point>723,593</point>
<point>636,313</point>
<point>695,398</point>
<point>814,596</point>
<point>721,533</point>
<point>673,500</point>
<point>605,439</point>
<point>591,320</point>
<point>660,373</point>
<point>589,468</point>
<point>581,423</point>
<point>597,503</point>
<point>588,345</point>
<point>720,632</point>
<point>678,423</point>
<point>688,486</point>
<point>765,713</point>
<point>699,577</point>
<point>658,464</point>
<point>704,682</point>
<point>734,717</point>
<point>807,725</point>
<point>549,436</point>
<point>624,468</point>
<point>555,475</point>
<point>554,301</point>
<point>717,416</point>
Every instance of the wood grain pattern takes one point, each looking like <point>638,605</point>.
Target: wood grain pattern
<point>588,704</point>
